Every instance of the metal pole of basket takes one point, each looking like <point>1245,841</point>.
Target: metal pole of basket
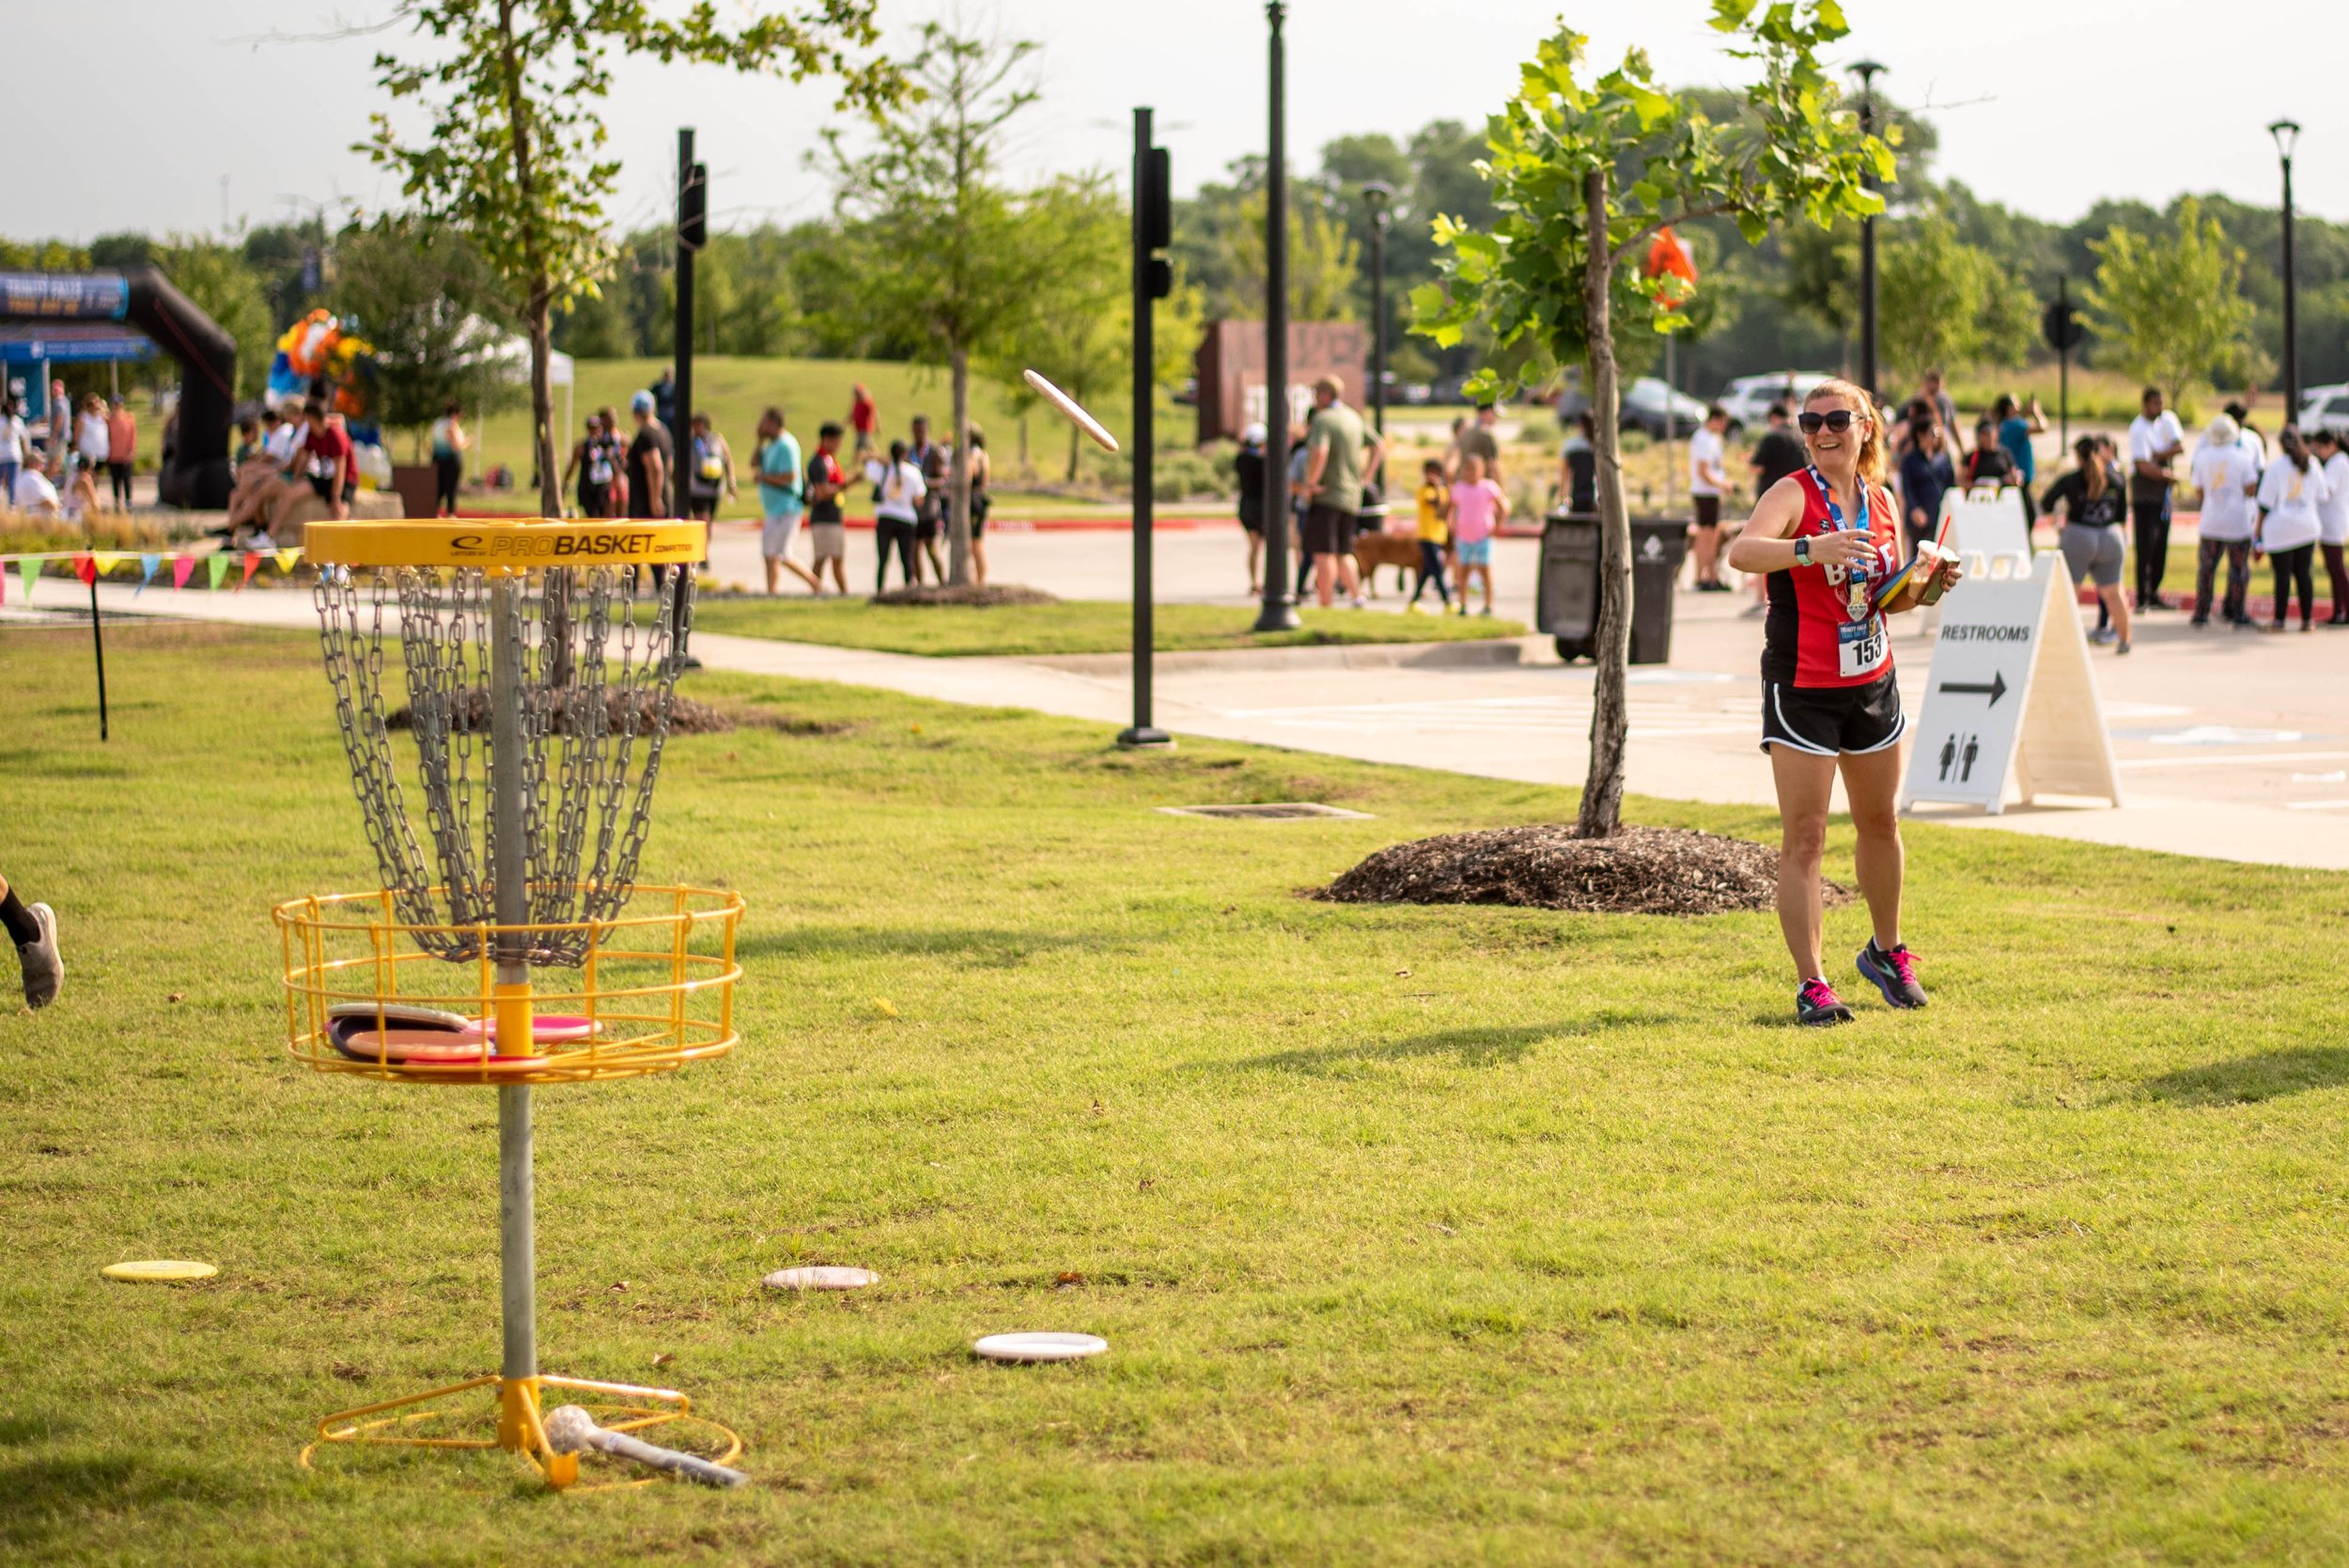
<point>511,895</point>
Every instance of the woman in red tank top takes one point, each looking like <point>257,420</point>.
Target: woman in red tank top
<point>1828,539</point>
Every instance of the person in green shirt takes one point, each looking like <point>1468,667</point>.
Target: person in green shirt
<point>1338,451</point>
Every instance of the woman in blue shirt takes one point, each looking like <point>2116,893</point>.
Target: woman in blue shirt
<point>2016,428</point>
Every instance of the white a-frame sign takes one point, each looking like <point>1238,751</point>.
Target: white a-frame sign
<point>2010,707</point>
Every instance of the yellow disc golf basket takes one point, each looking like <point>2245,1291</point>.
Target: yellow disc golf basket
<point>510,945</point>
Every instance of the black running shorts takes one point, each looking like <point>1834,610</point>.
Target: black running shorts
<point>1329,531</point>
<point>1831,721</point>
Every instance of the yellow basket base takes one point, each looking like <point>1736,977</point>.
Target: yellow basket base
<point>518,1425</point>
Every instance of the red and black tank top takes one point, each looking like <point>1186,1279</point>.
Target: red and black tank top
<point>1812,636</point>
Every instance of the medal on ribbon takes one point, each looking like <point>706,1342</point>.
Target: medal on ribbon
<point>1859,602</point>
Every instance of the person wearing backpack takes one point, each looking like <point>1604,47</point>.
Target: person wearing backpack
<point>782,498</point>
<point>708,473</point>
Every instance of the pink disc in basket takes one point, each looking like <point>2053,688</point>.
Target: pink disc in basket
<point>556,1029</point>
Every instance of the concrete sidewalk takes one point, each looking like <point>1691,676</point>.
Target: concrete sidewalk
<point>2230,744</point>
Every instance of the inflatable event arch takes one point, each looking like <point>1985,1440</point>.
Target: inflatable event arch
<point>197,474</point>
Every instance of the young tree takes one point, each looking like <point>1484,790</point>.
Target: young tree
<point>1943,302</point>
<point>1080,334</point>
<point>433,311</point>
<point>939,249</point>
<point>514,159</point>
<point>1582,176</point>
<point>2173,308</point>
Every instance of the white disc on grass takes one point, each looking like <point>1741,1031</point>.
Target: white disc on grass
<point>1039,1347</point>
<point>159,1271</point>
<point>825,1276</point>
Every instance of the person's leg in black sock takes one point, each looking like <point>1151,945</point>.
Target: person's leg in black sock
<point>21,926</point>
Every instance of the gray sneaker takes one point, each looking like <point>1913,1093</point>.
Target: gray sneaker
<point>44,972</point>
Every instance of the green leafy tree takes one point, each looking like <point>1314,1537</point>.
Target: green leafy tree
<point>215,278</point>
<point>942,252</point>
<point>514,157</point>
<point>434,313</point>
<point>1942,301</point>
<point>1569,228</point>
<point>1324,263</point>
<point>2170,308</point>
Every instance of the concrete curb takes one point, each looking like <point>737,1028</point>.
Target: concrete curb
<point>1482,653</point>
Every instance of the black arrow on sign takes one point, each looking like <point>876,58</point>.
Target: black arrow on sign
<point>1996,690</point>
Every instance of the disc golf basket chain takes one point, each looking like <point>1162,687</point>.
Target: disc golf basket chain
<point>537,694</point>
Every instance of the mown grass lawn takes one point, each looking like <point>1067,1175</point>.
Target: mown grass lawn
<point>1072,626</point>
<point>1418,1234</point>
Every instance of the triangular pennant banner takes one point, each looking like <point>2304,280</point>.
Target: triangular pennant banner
<point>217,567</point>
<point>181,566</point>
<point>85,568</point>
<point>107,560</point>
<point>29,569</point>
<point>252,564</point>
<point>148,567</point>
<point>286,558</point>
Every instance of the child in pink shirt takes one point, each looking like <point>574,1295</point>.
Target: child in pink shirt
<point>1478,509</point>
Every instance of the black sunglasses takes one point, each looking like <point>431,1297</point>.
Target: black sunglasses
<point>1837,420</point>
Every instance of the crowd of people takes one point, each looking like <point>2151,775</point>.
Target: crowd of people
<point>58,469</point>
<point>642,474</point>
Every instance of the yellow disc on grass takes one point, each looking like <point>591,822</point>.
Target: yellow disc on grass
<point>158,1271</point>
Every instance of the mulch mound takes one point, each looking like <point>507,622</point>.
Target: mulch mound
<point>626,714</point>
<point>977,595</point>
<point>1639,871</point>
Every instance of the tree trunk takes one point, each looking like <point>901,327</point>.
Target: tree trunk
<point>1602,788</point>
<point>958,499</point>
<point>542,404</point>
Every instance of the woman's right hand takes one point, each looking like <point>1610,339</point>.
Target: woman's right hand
<point>1842,546</point>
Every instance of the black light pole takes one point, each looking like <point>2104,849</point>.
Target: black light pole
<point>693,232</point>
<point>1154,278</point>
<point>2286,132</point>
<point>1278,610</point>
<point>1380,198</point>
<point>1866,72</point>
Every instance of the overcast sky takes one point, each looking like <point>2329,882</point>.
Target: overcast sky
<point>2043,104</point>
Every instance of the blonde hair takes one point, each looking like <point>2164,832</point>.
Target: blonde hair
<point>1870,461</point>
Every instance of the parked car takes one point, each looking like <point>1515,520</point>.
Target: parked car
<point>2326,408</point>
<point>1645,404</point>
<point>1749,398</point>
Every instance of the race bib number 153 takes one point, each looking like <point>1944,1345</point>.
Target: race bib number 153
<point>1860,646</point>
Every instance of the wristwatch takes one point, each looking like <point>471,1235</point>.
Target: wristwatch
<point>1802,551</point>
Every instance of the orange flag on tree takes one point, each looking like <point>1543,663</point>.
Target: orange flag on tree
<point>1668,257</point>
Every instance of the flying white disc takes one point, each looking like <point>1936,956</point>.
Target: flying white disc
<point>1073,410</point>
<point>824,1276</point>
<point>159,1271</point>
<point>1039,1347</point>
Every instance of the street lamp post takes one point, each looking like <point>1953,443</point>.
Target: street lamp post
<point>1867,71</point>
<point>2287,132</point>
<point>1278,611</point>
<point>1379,196</point>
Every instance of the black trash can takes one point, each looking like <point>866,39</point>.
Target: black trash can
<point>1567,593</point>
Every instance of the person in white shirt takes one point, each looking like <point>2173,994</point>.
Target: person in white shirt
<point>1708,477</point>
<point>90,443</point>
<point>31,492</point>
<point>896,514</point>
<point>2227,478</point>
<point>2289,493</point>
<point>16,445</point>
<point>2155,440</point>
<point>2332,520</point>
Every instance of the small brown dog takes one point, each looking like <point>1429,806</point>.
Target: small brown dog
<point>1373,551</point>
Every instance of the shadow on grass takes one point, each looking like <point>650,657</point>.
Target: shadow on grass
<point>53,1498</point>
<point>2247,1079</point>
<point>1489,1046</point>
<point>977,947</point>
